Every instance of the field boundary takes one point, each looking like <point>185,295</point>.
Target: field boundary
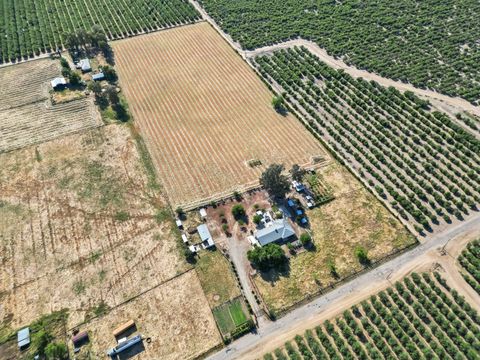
<point>131,299</point>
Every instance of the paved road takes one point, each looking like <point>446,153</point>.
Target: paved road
<point>241,347</point>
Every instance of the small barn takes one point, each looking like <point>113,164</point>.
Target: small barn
<point>58,83</point>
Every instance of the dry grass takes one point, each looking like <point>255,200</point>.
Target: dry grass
<point>204,113</point>
<point>354,218</point>
<point>216,277</point>
<point>78,227</point>
<point>174,315</point>
<point>28,117</point>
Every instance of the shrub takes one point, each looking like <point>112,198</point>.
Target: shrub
<point>238,211</point>
<point>257,218</point>
<point>305,239</point>
<point>362,255</point>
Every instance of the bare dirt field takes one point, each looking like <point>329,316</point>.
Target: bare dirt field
<point>28,117</point>
<point>204,113</point>
<point>81,227</point>
<point>175,316</point>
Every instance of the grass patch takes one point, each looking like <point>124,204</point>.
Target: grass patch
<point>217,279</point>
<point>230,316</point>
<point>146,160</point>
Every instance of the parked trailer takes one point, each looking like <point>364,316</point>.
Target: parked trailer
<point>124,346</point>
<point>124,327</point>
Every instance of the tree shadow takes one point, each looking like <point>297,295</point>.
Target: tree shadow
<point>274,274</point>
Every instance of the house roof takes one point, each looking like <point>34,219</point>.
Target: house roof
<point>203,232</point>
<point>279,230</point>
<point>58,81</point>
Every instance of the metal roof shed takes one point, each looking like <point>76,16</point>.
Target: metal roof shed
<point>98,77</point>
<point>23,338</point>
<point>205,236</point>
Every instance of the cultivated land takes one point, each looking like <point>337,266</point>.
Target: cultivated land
<point>419,317</point>
<point>82,227</point>
<point>421,161</point>
<point>429,44</point>
<point>27,114</point>
<point>469,261</point>
<point>33,27</point>
<point>354,218</point>
<point>205,114</point>
<point>174,315</point>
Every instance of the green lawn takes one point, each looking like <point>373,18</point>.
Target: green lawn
<point>230,316</point>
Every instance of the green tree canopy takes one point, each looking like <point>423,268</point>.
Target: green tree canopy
<point>297,172</point>
<point>274,181</point>
<point>267,257</point>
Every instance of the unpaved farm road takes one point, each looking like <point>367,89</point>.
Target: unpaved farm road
<point>450,105</point>
<point>274,334</point>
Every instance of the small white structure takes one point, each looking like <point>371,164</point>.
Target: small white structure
<point>184,238</point>
<point>84,65</point>
<point>193,248</point>
<point>203,213</point>
<point>58,83</point>
<point>179,223</point>
<point>205,236</point>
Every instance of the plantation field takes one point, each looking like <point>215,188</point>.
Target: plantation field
<point>205,114</point>
<point>175,316</point>
<point>28,117</point>
<point>353,218</point>
<point>420,317</point>
<point>33,27</point>
<point>469,261</point>
<point>430,44</point>
<point>82,227</point>
<point>420,161</point>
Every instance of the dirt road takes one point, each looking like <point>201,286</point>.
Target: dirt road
<point>310,315</point>
<point>450,105</point>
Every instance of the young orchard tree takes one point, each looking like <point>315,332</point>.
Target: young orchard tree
<point>274,181</point>
<point>278,104</point>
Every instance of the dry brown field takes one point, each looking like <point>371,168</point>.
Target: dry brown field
<point>80,226</point>
<point>354,218</point>
<point>175,316</point>
<point>204,113</point>
<point>28,117</point>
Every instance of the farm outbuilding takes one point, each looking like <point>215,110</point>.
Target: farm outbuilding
<point>98,77</point>
<point>84,65</point>
<point>23,338</point>
<point>58,83</point>
<point>205,235</point>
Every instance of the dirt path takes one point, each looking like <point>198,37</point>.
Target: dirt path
<point>423,257</point>
<point>448,104</point>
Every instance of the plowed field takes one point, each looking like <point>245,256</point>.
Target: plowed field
<point>204,113</point>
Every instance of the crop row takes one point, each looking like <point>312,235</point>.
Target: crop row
<point>418,318</point>
<point>469,259</point>
<point>431,44</point>
<point>31,27</point>
<point>422,162</point>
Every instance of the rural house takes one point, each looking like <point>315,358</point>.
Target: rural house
<point>204,233</point>
<point>280,230</point>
